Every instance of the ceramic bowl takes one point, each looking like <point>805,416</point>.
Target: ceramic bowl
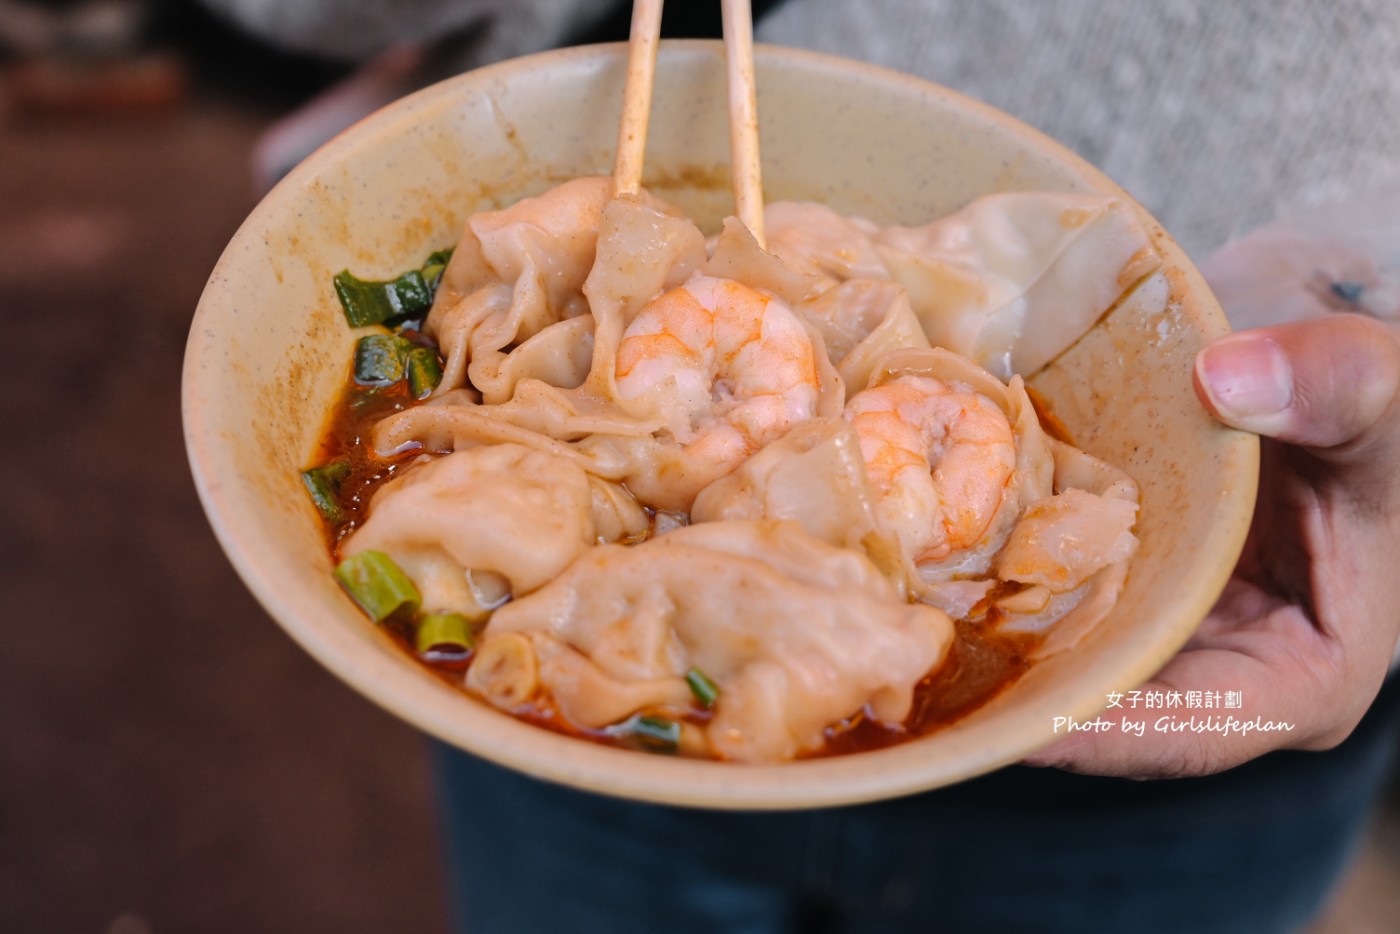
<point>269,349</point>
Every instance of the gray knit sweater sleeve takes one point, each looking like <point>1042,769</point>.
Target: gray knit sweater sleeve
<point>355,29</point>
<point>1215,114</point>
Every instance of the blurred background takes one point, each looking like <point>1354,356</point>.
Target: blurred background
<point>169,760</point>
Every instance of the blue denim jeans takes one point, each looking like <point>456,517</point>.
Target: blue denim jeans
<point>1256,850</point>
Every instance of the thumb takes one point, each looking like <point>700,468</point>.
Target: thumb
<point>1327,383</point>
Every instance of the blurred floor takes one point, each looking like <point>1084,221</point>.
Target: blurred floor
<point>1368,901</point>
<point>169,761</point>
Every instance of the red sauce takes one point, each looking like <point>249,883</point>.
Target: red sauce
<point>348,438</point>
<point>980,665</point>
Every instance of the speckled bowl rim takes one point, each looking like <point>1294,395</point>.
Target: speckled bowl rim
<point>447,715</point>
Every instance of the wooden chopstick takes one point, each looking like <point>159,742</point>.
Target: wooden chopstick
<point>743,116</point>
<point>636,97</point>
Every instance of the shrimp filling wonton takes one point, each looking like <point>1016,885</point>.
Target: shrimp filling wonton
<point>702,496</point>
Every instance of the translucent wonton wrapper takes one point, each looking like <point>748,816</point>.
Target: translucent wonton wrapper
<point>960,580</point>
<point>511,304</point>
<point>1073,548</point>
<point>1009,281</point>
<point>522,515</point>
<point>1056,548</point>
<point>813,475</point>
<point>1063,530</point>
<point>641,252</point>
<point>862,321</point>
<point>796,633</point>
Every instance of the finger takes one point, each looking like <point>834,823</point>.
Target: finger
<point>1329,384</point>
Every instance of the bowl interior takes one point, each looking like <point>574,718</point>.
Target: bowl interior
<point>268,353</point>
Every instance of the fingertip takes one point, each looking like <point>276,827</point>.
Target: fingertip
<point>1246,381</point>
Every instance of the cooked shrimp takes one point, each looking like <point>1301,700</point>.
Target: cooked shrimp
<point>939,457</point>
<point>733,367</point>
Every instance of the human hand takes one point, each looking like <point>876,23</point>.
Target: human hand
<point>1306,627</point>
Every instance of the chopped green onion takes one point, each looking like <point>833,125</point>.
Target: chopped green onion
<point>439,258</point>
<point>433,267</point>
<point>424,371</point>
<point>368,302</point>
<point>444,637</point>
<point>655,733</point>
<point>705,690</point>
<point>323,483</point>
<point>378,585</point>
<point>379,359</point>
<point>431,275</point>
